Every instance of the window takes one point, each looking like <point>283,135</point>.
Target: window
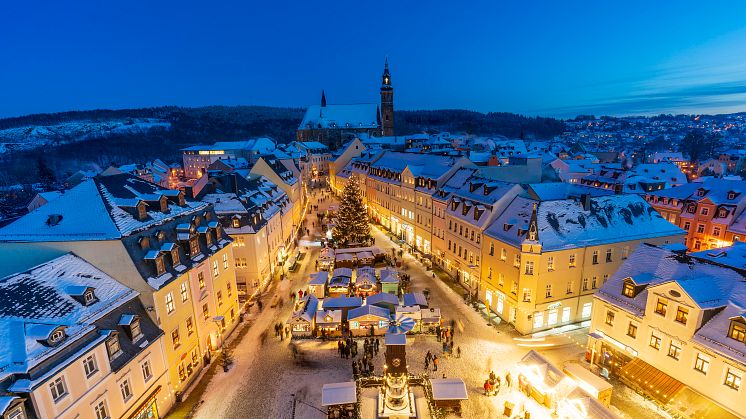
<point>527,295</point>
<point>193,246</point>
<point>606,278</point>
<point>737,331</point>
<point>101,411</point>
<point>705,211</point>
<point>517,261</point>
<point>492,249</point>
<point>609,317</point>
<point>58,389</point>
<point>716,231</point>
<point>585,284</point>
<point>572,260</point>
<point>700,228</point>
<point>89,366</point>
<point>586,310</point>
<point>655,341</point>
<point>89,297</point>
<point>732,379</point>
<point>160,266</point>
<point>126,389</point>
<point>135,329</point>
<point>184,292</point>
<point>549,291</point>
<point>147,371</point>
<point>608,255</point>
<point>514,287</point>
<point>529,267</point>
<point>201,279</point>
<point>687,225</point>
<point>215,268</point>
<point>175,338</point>
<point>594,282</point>
<point>205,312</point>
<point>632,330</point>
<point>236,223</point>
<point>503,254</point>
<point>595,257</point>
<point>112,346</point>
<point>57,336</point>
<point>660,307</point>
<point>674,351</point>
<point>538,319</point>
<point>230,289</point>
<point>629,289</point>
<point>220,298</point>
<point>17,413</point>
<point>189,326</point>
<point>569,287</point>
<point>702,363</point>
<point>625,252</point>
<point>550,263</point>
<point>500,279</point>
<point>681,315</point>
<point>489,273</point>
<point>225,261</point>
<point>170,307</point>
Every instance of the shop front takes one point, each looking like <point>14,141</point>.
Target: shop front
<point>149,408</point>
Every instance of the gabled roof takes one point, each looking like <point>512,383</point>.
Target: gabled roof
<point>368,310</point>
<point>363,115</point>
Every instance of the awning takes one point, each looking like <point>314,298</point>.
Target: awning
<point>650,380</point>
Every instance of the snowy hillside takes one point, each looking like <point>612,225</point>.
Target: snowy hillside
<point>31,137</point>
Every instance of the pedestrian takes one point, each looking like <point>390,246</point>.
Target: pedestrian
<point>371,367</point>
<point>339,347</point>
<point>354,369</point>
<point>427,363</point>
<point>259,303</point>
<point>493,377</point>
<point>438,332</point>
<point>428,356</point>
<point>435,362</point>
<point>354,350</point>
<point>317,265</point>
<point>445,346</point>
<point>277,329</point>
<point>487,387</point>
<point>450,346</point>
<point>287,332</point>
<point>458,352</point>
<point>508,379</point>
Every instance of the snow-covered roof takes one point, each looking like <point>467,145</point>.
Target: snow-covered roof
<point>319,278</point>
<point>415,299</point>
<point>708,285</point>
<point>328,316</point>
<point>362,115</point>
<point>338,393</point>
<point>564,224</point>
<point>383,298</point>
<point>449,389</point>
<point>395,339</point>
<point>368,310</point>
<point>421,165</point>
<point>38,301</point>
<point>342,302</point>
<point>733,256</point>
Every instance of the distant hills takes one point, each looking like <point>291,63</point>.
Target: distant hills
<point>68,141</point>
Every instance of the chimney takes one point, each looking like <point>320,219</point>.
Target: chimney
<point>585,199</point>
<point>188,192</point>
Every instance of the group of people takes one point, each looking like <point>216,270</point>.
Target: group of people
<point>348,348</point>
<point>493,382</point>
<point>431,359</point>
<point>445,335</point>
<point>283,332</point>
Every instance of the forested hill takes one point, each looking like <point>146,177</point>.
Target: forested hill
<point>69,141</point>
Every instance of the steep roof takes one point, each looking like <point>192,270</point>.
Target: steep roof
<point>98,209</point>
<point>564,224</point>
<point>43,298</point>
<point>362,115</point>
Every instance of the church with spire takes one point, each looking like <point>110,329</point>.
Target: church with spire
<point>335,124</point>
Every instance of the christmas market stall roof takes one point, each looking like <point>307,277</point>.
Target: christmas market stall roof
<point>383,299</point>
<point>308,312</point>
<point>415,299</point>
<point>389,275</point>
<point>342,272</point>
<point>341,302</point>
<point>319,278</point>
<point>338,393</point>
<point>369,311</point>
<point>449,389</point>
<point>328,317</point>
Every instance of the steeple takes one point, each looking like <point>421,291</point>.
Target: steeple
<point>323,99</point>
<point>387,102</point>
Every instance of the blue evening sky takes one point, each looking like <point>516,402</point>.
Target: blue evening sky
<point>556,58</point>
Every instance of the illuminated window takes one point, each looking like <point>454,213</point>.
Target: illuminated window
<point>184,292</point>
<point>629,289</point>
<point>674,351</point>
<point>595,257</point>
<point>733,379</point>
<point>550,263</point>
<point>610,318</point>
<point>175,338</point>
<point>170,307</point>
<point>661,307</point>
<point>737,331</point>
<point>681,315</point>
<point>632,330</point>
<point>205,312</point>
<point>201,280</point>
<point>529,267</point>
<point>572,260</point>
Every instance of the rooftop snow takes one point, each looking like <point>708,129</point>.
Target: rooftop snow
<point>363,115</point>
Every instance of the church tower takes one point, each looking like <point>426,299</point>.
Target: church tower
<point>387,102</point>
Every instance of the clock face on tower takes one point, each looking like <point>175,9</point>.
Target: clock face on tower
<point>396,362</point>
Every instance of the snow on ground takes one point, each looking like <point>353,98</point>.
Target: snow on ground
<point>265,376</point>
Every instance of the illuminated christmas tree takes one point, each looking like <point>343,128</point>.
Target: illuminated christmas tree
<point>352,219</point>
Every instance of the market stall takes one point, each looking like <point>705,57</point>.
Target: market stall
<point>413,312</point>
<point>339,399</point>
<point>326,258</point>
<point>302,321</point>
<point>390,281</point>
<point>368,321</point>
<point>365,284</point>
<point>383,300</point>
<point>448,393</point>
<point>317,283</point>
<point>329,323</point>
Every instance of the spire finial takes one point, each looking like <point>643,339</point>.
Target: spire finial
<point>323,98</point>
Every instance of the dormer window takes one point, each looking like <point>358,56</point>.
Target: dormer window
<point>160,265</point>
<point>135,329</point>
<point>89,297</point>
<point>142,212</point>
<point>732,195</point>
<point>236,223</point>
<point>722,213</point>
<point>56,337</point>
<point>175,260</point>
<point>737,330</point>
<point>193,246</point>
<point>163,204</point>
<point>691,208</point>
<point>700,192</point>
<point>112,346</point>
